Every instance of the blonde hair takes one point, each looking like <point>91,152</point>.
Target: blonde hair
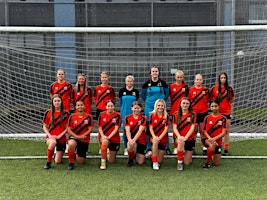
<point>198,75</point>
<point>180,72</point>
<point>129,76</point>
<point>104,73</point>
<point>155,108</point>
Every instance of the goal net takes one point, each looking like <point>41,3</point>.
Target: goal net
<point>30,57</point>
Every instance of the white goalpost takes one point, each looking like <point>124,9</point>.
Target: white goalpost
<point>30,56</point>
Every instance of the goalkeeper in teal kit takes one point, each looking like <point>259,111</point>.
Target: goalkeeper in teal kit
<point>152,90</point>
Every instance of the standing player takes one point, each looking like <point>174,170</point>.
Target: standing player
<point>102,94</point>
<point>54,125</point>
<point>151,91</point>
<point>224,93</point>
<point>184,122</point>
<point>82,92</point>
<point>135,125</point>
<point>80,126</point>
<point>109,123</point>
<point>127,95</point>
<point>199,97</point>
<point>178,90</point>
<point>63,88</point>
<point>214,128</point>
<point>158,126</point>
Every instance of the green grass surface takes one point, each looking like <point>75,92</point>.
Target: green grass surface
<point>233,179</point>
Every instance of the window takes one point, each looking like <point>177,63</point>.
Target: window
<point>258,14</point>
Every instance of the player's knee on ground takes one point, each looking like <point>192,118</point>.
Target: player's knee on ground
<point>216,163</point>
<point>188,162</point>
<point>80,160</point>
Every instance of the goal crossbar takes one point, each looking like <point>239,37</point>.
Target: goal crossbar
<point>132,29</point>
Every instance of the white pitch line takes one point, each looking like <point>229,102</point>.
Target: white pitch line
<point>121,156</point>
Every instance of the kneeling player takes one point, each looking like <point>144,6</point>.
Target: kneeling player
<point>135,125</point>
<point>214,128</point>
<point>109,123</point>
<point>184,122</point>
<point>79,128</point>
<point>54,125</point>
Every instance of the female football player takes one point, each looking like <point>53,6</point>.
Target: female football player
<point>109,123</point>
<point>184,122</point>
<point>55,127</point>
<point>214,128</point>
<point>135,125</point>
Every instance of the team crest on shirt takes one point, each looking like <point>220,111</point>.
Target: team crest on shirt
<point>99,91</point>
<point>131,123</point>
<point>65,88</point>
<point>210,122</point>
<point>133,94</point>
<point>188,119</point>
<point>114,120</point>
<point>163,121</point>
<point>139,122</point>
<point>56,88</point>
<point>85,121</point>
<point>220,122</point>
<point>104,119</point>
<point>194,92</point>
<point>108,91</point>
<point>183,89</point>
<point>174,89</point>
<point>78,93</point>
<point>149,84</point>
<point>155,121</point>
<point>203,92</point>
<point>124,93</point>
<point>75,122</point>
